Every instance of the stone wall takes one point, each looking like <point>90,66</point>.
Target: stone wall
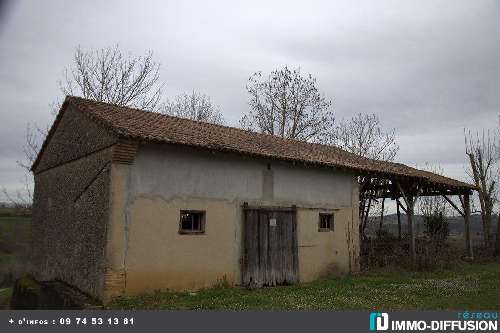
<point>75,136</point>
<point>71,204</point>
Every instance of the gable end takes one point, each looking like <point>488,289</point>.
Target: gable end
<point>73,135</point>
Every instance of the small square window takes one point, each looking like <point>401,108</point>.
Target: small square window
<point>192,222</point>
<point>326,222</point>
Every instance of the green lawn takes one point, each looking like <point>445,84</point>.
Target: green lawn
<point>8,223</point>
<point>470,286</point>
<point>14,247</point>
<point>5,294</point>
<point>14,236</point>
<point>14,230</point>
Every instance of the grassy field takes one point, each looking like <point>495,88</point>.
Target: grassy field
<point>14,245</point>
<point>470,286</point>
<point>9,223</point>
<point>14,236</point>
<point>5,294</point>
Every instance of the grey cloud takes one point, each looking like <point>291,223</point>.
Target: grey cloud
<point>427,68</point>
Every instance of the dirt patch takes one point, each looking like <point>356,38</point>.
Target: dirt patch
<point>29,294</point>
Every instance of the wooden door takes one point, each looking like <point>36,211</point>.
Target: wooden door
<point>270,247</point>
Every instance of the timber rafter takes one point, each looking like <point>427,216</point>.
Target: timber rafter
<point>406,190</point>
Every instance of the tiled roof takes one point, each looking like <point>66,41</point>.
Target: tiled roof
<point>150,126</point>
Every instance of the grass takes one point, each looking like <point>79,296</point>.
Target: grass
<point>14,236</point>
<point>15,214</point>
<point>470,286</point>
<point>8,223</point>
<point>7,259</point>
<point>14,247</point>
<point>14,228</point>
<point>5,294</point>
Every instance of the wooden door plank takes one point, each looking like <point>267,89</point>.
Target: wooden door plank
<point>274,268</point>
<point>270,252</point>
<point>263,248</point>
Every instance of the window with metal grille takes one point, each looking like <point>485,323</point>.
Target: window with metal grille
<point>192,222</point>
<point>326,222</point>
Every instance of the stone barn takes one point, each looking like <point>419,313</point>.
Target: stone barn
<point>128,201</point>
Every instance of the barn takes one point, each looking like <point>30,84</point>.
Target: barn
<point>128,201</point>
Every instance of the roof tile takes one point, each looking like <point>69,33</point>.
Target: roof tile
<point>150,126</point>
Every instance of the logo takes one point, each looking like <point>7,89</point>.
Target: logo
<point>379,321</point>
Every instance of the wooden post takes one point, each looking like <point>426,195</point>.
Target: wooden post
<point>411,232</point>
<point>365,221</point>
<point>381,216</point>
<point>361,216</point>
<point>399,219</point>
<point>410,197</point>
<point>468,240</point>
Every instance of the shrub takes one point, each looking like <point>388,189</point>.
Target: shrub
<point>436,228</point>
<point>385,235</point>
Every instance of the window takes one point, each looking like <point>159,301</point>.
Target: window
<point>192,222</point>
<point>325,222</point>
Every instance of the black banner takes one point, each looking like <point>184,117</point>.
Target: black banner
<point>206,321</point>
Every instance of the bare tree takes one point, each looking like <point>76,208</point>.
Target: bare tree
<point>363,135</point>
<point>32,145</point>
<point>193,106</point>
<point>21,199</point>
<point>107,75</point>
<point>483,151</point>
<point>430,206</point>
<point>288,104</point>
<point>497,237</point>
<point>496,251</point>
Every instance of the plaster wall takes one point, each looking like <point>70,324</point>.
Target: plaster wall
<point>146,251</point>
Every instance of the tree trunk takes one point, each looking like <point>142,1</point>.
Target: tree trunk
<point>497,241</point>
<point>468,240</point>
<point>479,181</point>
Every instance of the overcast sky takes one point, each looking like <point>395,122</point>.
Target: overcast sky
<point>427,68</point>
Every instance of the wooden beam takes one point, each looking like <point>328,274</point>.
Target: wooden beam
<point>366,215</point>
<point>401,205</point>
<point>402,193</point>
<point>461,200</point>
<point>411,231</point>
<point>363,185</point>
<point>399,219</point>
<point>381,216</point>
<point>453,205</point>
<point>422,194</point>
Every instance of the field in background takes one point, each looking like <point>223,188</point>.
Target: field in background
<point>14,245</point>
<point>456,226</point>
<point>14,250</point>
<point>467,286</point>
